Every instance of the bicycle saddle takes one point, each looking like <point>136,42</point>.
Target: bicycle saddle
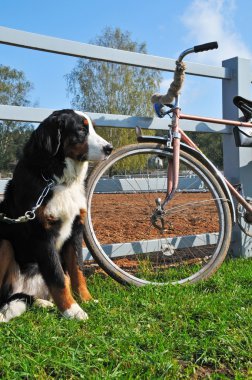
<point>244,105</point>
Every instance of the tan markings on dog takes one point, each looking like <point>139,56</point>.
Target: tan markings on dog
<point>73,152</point>
<point>62,296</point>
<point>7,260</point>
<point>46,220</point>
<point>86,123</point>
<point>78,280</point>
<point>83,214</point>
<point>80,286</point>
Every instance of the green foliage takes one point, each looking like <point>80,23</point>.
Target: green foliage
<point>14,89</point>
<point>200,331</point>
<point>114,88</point>
<point>211,146</point>
<point>12,139</point>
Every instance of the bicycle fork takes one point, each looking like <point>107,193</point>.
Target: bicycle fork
<point>172,173</point>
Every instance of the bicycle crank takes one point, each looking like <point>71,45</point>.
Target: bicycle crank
<point>244,219</point>
<point>157,218</point>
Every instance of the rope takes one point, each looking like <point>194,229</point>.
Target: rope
<point>175,87</point>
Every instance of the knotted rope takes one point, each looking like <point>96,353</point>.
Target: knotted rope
<point>175,87</point>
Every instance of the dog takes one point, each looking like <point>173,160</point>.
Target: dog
<point>41,255</point>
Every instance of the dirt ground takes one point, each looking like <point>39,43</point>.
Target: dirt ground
<point>126,217</point>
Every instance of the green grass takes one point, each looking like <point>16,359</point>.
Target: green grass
<point>201,331</point>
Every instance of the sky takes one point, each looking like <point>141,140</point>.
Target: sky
<point>167,27</point>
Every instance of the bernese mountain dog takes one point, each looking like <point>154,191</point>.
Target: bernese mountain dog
<point>41,255</point>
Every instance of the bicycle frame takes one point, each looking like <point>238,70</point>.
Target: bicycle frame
<point>193,232</point>
<point>177,132</point>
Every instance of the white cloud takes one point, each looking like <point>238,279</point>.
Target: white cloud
<point>214,20</point>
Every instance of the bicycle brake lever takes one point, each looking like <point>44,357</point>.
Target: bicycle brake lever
<point>160,109</point>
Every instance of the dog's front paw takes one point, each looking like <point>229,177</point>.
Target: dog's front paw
<point>75,312</point>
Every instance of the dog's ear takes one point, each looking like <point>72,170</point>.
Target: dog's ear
<point>47,137</point>
<point>48,134</point>
<point>46,140</point>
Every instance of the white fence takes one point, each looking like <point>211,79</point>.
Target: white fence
<point>3,183</point>
<point>125,184</point>
<point>235,74</point>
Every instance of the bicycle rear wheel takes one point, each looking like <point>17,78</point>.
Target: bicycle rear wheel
<point>122,193</point>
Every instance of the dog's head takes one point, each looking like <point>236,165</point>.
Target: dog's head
<point>69,133</point>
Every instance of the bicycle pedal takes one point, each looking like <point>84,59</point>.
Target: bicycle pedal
<point>167,249</point>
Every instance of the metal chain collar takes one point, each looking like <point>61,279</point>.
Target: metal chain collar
<point>30,214</point>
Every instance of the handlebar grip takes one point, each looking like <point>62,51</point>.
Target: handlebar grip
<point>205,47</point>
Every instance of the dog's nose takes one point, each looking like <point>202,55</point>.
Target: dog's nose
<point>108,149</point>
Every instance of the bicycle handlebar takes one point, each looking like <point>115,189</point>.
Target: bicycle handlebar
<point>173,91</point>
<point>205,47</point>
<point>198,49</point>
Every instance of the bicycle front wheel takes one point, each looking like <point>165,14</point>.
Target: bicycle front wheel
<point>187,244</point>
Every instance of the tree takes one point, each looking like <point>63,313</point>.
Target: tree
<point>14,88</point>
<point>114,88</point>
<point>211,146</point>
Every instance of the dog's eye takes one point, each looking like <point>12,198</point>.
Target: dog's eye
<point>83,130</point>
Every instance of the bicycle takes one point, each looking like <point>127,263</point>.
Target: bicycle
<point>169,219</point>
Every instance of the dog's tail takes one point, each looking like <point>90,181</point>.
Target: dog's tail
<point>15,305</point>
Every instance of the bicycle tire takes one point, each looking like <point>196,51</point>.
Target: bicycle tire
<point>149,256</point>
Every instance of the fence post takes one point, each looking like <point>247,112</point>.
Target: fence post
<point>237,161</point>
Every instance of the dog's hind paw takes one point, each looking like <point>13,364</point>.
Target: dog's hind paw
<point>75,312</point>
<point>43,303</point>
<point>2,318</point>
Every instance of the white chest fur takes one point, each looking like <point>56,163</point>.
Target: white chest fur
<point>68,198</point>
